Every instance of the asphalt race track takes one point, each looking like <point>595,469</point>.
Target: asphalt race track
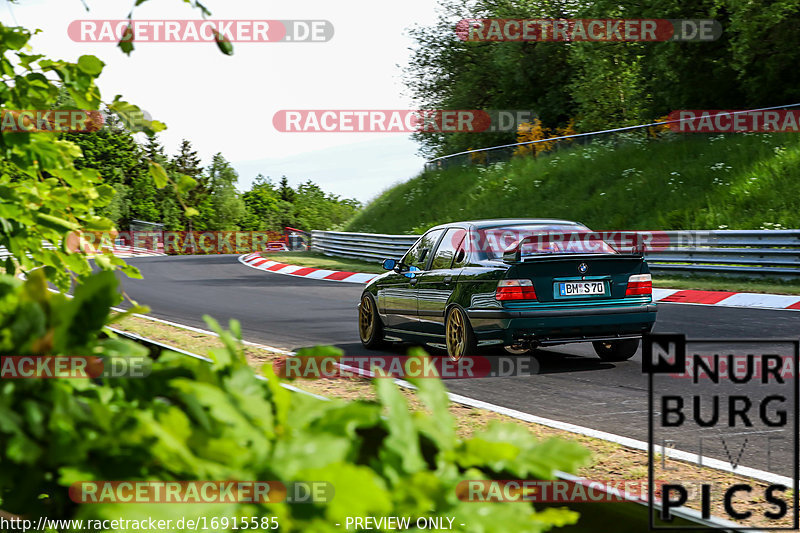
<point>569,383</point>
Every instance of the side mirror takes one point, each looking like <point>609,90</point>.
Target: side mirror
<point>460,255</point>
<point>389,264</point>
<point>410,273</point>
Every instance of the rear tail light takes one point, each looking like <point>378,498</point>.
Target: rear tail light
<point>639,284</point>
<point>515,289</point>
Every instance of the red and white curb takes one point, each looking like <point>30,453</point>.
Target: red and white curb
<point>727,299</point>
<point>256,261</point>
<point>675,296</point>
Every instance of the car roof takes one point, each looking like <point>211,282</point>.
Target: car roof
<point>496,222</point>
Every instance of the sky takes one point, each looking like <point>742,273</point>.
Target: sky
<point>226,103</point>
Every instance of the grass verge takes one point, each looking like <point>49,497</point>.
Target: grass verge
<point>735,181</point>
<point>610,461</point>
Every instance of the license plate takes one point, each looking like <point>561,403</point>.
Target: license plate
<point>581,288</point>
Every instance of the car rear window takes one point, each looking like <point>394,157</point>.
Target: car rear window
<point>491,243</point>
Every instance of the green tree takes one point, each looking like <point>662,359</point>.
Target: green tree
<point>317,210</point>
<point>764,51</point>
<point>606,84</point>
<point>149,203</point>
<point>310,207</point>
<point>111,150</point>
<point>227,209</point>
<point>623,83</point>
<point>446,72</point>
<point>114,153</point>
<point>187,163</point>
<point>285,191</point>
<point>261,204</point>
<point>154,150</point>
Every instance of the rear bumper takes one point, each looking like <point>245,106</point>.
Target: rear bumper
<point>548,313</point>
<point>550,326</point>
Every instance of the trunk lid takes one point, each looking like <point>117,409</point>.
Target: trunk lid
<point>578,277</point>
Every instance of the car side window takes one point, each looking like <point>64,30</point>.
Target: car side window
<point>418,255</point>
<point>447,248</point>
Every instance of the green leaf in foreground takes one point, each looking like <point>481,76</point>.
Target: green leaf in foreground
<point>402,445</point>
<point>126,42</point>
<point>90,65</point>
<point>440,425</point>
<point>194,421</point>
<point>186,184</point>
<point>223,43</point>
<point>56,223</point>
<point>158,174</point>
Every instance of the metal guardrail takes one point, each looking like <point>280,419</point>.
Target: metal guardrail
<point>504,152</point>
<point>750,253</point>
<point>373,247</point>
<point>755,253</point>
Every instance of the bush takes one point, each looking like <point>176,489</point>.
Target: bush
<point>191,420</point>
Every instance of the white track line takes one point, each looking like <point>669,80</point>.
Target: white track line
<point>205,331</point>
<point>689,457</point>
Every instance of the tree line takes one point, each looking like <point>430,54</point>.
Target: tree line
<point>123,163</point>
<point>604,84</point>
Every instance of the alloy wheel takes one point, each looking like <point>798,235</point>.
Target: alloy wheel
<point>456,335</point>
<point>366,319</point>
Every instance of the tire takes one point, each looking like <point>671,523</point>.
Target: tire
<point>620,350</point>
<point>370,327</point>
<point>459,336</point>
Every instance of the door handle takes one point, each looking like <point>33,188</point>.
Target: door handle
<point>413,281</point>
<point>447,279</point>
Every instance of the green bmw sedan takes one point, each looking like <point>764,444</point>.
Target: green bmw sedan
<point>514,284</point>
